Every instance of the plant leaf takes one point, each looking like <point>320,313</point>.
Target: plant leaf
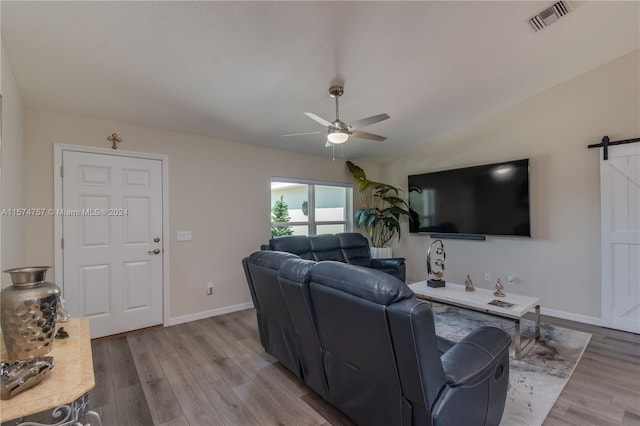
<point>357,172</point>
<point>395,211</point>
<point>395,200</point>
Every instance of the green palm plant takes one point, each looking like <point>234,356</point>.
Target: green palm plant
<point>381,208</point>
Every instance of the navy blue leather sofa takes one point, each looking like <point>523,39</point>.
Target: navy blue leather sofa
<point>346,247</point>
<point>362,341</point>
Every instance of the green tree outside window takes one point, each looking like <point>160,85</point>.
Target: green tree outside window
<point>280,213</point>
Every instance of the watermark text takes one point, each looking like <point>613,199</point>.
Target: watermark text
<point>64,212</point>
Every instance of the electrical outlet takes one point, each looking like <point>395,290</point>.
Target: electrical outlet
<point>487,276</point>
<point>209,289</point>
<point>511,279</point>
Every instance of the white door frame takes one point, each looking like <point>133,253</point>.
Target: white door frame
<point>58,150</point>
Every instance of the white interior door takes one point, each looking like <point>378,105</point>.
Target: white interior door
<point>620,198</point>
<point>112,234</point>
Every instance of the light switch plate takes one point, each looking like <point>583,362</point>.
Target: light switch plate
<point>184,235</point>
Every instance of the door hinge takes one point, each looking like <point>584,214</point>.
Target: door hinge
<point>62,243</point>
<point>61,171</point>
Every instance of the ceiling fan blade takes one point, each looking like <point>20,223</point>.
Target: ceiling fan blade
<point>365,135</point>
<point>317,119</point>
<point>300,134</point>
<point>369,120</point>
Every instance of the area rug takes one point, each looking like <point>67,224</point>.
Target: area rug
<point>535,382</point>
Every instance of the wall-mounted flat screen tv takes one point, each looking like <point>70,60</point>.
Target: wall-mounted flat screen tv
<point>492,199</point>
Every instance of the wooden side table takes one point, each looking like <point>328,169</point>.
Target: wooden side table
<point>65,389</point>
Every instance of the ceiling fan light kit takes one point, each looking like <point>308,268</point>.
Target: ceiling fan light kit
<point>338,131</point>
<point>337,136</point>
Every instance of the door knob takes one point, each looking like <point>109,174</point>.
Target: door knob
<point>154,251</point>
<point>156,240</point>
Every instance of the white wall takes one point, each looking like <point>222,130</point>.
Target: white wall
<point>561,262</point>
<point>219,190</point>
<point>11,179</point>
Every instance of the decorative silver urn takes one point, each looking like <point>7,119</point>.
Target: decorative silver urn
<point>28,312</point>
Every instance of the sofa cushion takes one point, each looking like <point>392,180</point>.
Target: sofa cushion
<point>297,270</point>
<point>325,247</point>
<point>382,289</point>
<point>347,247</point>
<point>350,304</point>
<point>355,248</point>
<point>294,280</point>
<point>296,244</point>
<point>271,259</point>
<point>277,331</point>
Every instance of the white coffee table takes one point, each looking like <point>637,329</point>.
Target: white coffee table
<point>479,300</point>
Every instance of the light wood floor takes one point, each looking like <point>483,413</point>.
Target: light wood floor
<point>214,372</point>
<point>605,386</point>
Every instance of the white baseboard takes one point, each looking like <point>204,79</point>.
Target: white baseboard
<point>207,314</point>
<point>242,306</point>
<point>572,317</point>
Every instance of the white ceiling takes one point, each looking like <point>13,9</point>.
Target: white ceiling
<point>246,71</point>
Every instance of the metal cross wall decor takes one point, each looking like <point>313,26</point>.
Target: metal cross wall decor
<point>114,139</point>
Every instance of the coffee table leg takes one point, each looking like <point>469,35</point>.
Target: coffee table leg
<point>537,323</point>
<point>516,341</point>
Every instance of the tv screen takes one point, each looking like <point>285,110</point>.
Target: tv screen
<point>492,199</point>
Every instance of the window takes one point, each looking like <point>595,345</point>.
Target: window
<point>309,207</point>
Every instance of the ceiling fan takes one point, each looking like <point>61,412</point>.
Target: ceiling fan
<point>338,131</point>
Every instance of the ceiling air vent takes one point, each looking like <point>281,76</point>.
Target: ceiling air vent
<point>549,15</point>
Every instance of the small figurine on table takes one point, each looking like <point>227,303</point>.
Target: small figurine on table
<point>61,334</point>
<point>499,287</point>
<point>468,284</point>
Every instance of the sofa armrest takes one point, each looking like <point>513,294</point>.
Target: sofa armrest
<point>393,262</point>
<point>476,356</point>
<point>394,266</point>
<point>444,344</point>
